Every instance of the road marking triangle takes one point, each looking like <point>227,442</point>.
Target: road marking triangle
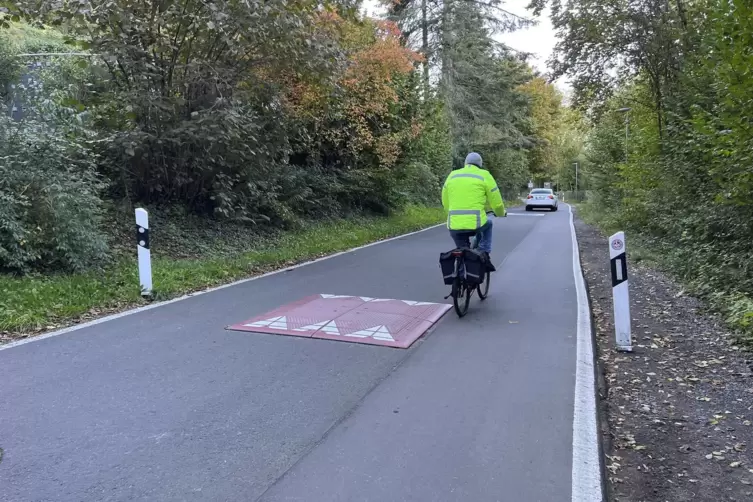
<point>272,323</point>
<point>331,328</point>
<point>312,327</point>
<point>416,304</point>
<point>326,326</point>
<point>375,332</point>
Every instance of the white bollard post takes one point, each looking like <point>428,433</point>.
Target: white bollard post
<point>145,255</point>
<point>620,294</point>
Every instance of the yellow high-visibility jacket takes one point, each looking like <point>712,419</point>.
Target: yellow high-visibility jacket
<point>465,196</point>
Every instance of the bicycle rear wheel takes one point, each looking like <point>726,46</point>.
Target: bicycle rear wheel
<point>461,296</point>
<point>483,288</point>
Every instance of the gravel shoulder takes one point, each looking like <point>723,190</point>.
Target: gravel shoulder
<point>677,412</point>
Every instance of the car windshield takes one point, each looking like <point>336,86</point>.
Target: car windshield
<point>542,191</point>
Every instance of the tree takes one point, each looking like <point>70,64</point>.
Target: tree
<point>458,48</point>
<point>547,126</point>
<point>191,112</point>
<point>570,141</point>
<point>606,43</point>
<point>686,183</point>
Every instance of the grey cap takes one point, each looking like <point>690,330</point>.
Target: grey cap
<point>474,159</point>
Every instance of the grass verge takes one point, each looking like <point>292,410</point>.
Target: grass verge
<point>34,304</point>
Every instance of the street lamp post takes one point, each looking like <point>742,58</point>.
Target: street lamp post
<point>626,111</point>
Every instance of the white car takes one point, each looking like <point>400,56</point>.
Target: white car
<point>542,197</point>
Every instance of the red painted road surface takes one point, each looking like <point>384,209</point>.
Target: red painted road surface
<point>359,319</point>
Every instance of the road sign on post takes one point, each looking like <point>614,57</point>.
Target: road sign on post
<point>145,256</point>
<point>530,184</point>
<point>620,294</point>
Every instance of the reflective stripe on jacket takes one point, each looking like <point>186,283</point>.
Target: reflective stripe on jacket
<point>465,196</point>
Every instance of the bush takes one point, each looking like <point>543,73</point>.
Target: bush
<point>9,70</point>
<point>50,209</point>
<point>19,38</point>
<point>428,159</point>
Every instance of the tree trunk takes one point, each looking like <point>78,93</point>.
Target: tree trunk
<point>425,46</point>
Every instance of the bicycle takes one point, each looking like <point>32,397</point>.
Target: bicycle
<point>462,290</point>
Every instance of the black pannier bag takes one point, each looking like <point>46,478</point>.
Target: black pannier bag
<point>475,266</point>
<point>447,264</point>
<point>474,269</point>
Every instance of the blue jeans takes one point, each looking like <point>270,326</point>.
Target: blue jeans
<point>462,238</point>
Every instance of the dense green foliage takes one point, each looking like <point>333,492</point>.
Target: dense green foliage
<point>50,211</point>
<point>265,113</point>
<point>683,68</point>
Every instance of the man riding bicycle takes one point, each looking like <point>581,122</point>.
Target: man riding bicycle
<point>465,196</point>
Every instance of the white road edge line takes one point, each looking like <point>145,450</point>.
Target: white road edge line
<point>586,480</point>
<point>202,292</point>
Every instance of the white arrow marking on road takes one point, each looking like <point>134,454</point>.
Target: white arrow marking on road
<point>376,332</point>
<point>273,323</point>
<point>336,296</point>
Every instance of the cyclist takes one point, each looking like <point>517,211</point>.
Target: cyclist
<point>465,196</point>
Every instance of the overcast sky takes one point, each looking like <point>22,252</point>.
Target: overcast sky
<point>538,40</point>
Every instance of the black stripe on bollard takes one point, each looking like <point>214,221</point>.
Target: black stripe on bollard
<point>619,269</point>
<point>142,236</point>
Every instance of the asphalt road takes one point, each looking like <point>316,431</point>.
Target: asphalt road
<point>167,405</point>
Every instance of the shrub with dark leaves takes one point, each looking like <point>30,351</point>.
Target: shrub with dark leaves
<point>50,208</point>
